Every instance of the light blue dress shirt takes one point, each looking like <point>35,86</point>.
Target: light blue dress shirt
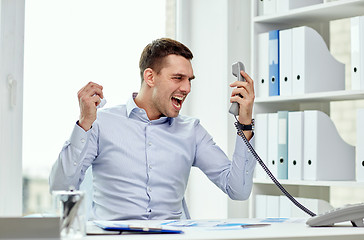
<point>141,167</point>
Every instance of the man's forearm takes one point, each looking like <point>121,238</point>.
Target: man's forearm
<point>65,171</point>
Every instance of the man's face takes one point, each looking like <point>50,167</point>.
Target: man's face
<point>172,85</point>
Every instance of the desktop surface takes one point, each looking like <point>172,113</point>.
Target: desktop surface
<point>273,229</point>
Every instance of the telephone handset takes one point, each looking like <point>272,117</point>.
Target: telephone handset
<point>236,68</point>
<point>353,213</point>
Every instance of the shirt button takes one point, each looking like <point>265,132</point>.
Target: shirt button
<point>150,166</point>
<point>149,189</point>
<point>247,172</point>
<point>140,110</point>
<point>150,144</point>
<point>83,140</point>
<point>150,123</point>
<point>74,164</point>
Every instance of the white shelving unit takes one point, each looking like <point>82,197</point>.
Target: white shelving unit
<point>315,97</point>
<point>312,183</point>
<point>318,17</point>
<point>316,13</point>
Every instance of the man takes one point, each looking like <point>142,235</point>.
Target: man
<point>141,153</point>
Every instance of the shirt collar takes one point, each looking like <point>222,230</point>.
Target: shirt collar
<point>131,105</point>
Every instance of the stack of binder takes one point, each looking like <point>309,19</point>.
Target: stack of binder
<point>295,145</point>
<point>304,145</point>
<point>273,53</point>
<point>262,81</point>
<point>273,143</point>
<point>359,163</point>
<point>326,155</point>
<point>357,53</point>
<point>285,63</point>
<point>261,147</point>
<point>299,62</point>
<point>282,145</point>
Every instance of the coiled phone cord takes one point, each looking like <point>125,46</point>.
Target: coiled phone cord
<point>266,169</point>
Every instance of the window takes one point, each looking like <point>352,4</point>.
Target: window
<point>67,44</point>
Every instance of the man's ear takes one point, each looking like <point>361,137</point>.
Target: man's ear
<point>149,77</point>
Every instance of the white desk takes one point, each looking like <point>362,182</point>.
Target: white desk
<point>275,231</point>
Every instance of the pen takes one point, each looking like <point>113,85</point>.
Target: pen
<point>255,225</point>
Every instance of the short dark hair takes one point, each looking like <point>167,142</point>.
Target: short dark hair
<point>154,53</point>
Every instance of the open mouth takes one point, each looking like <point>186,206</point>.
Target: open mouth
<point>177,102</point>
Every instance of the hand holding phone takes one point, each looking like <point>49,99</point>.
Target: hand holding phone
<point>236,68</point>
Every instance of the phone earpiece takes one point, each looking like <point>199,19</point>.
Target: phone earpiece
<point>236,68</point>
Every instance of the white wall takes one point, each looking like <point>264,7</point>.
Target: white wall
<point>101,43</point>
<point>11,64</point>
<point>218,34</point>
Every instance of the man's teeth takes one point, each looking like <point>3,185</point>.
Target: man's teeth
<point>179,98</point>
<point>178,101</point>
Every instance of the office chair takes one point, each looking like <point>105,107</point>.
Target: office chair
<point>87,187</point>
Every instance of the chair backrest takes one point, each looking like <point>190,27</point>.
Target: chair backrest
<point>185,212</point>
<point>87,187</point>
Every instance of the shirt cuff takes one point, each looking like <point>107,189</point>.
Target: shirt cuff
<point>78,137</point>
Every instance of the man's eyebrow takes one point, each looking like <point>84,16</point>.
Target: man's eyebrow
<point>183,75</point>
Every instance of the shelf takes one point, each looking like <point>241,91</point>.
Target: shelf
<point>314,97</point>
<point>316,13</point>
<point>312,183</point>
<point>318,17</point>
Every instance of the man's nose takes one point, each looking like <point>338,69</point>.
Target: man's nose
<point>186,86</point>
